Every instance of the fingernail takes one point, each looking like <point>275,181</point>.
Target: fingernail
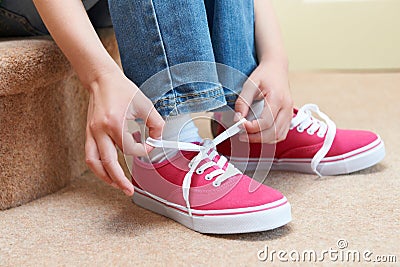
<point>237,116</point>
<point>243,138</point>
<point>149,148</point>
<point>128,192</point>
<point>114,185</point>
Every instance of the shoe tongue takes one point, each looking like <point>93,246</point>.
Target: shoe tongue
<point>189,155</point>
<point>216,158</point>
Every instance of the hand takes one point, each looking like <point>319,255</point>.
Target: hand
<point>269,81</point>
<point>110,100</point>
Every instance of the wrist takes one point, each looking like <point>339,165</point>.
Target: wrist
<point>278,60</point>
<point>93,81</point>
<point>92,77</point>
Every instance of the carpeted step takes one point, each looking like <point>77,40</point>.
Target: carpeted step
<point>42,118</point>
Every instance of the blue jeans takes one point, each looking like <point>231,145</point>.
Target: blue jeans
<point>158,40</point>
<point>168,48</point>
<point>20,18</point>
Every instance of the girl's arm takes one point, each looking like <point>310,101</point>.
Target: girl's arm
<point>73,32</point>
<point>269,81</point>
<point>110,91</point>
<point>269,42</point>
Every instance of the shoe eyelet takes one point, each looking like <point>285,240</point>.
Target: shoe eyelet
<point>310,132</point>
<point>190,165</point>
<point>320,135</point>
<point>299,129</point>
<point>198,171</point>
<point>216,184</point>
<point>208,177</point>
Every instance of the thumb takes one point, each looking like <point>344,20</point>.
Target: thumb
<point>148,113</point>
<point>246,97</point>
<point>155,123</point>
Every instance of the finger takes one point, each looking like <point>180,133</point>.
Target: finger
<point>109,159</point>
<point>155,123</point>
<point>264,122</point>
<point>92,154</point>
<point>267,118</point>
<point>90,109</point>
<point>93,159</point>
<point>152,119</point>
<point>272,134</point>
<point>117,126</point>
<point>273,104</point>
<point>132,148</point>
<point>266,136</point>
<point>246,97</point>
<point>115,130</point>
<point>119,131</point>
<point>282,122</point>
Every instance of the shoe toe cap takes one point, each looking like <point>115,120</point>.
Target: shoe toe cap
<point>350,140</point>
<point>246,192</point>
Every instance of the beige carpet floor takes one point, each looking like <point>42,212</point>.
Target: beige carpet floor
<point>91,224</point>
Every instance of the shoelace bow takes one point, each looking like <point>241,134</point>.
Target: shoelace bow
<point>206,150</point>
<point>304,120</point>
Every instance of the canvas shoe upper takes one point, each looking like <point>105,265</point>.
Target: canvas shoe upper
<point>311,146</point>
<point>201,190</point>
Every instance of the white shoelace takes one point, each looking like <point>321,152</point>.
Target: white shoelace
<point>304,120</point>
<point>206,150</point>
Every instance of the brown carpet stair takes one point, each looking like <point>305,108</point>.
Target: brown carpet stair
<point>42,118</point>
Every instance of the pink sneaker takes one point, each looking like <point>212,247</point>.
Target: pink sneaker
<point>201,190</point>
<point>311,146</point>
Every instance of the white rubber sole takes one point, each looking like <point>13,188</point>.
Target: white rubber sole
<point>232,221</point>
<point>353,161</point>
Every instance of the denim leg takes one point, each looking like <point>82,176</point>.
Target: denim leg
<point>231,25</point>
<point>20,17</point>
<point>158,40</point>
<point>99,14</point>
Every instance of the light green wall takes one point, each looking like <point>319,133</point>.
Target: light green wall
<point>341,34</point>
